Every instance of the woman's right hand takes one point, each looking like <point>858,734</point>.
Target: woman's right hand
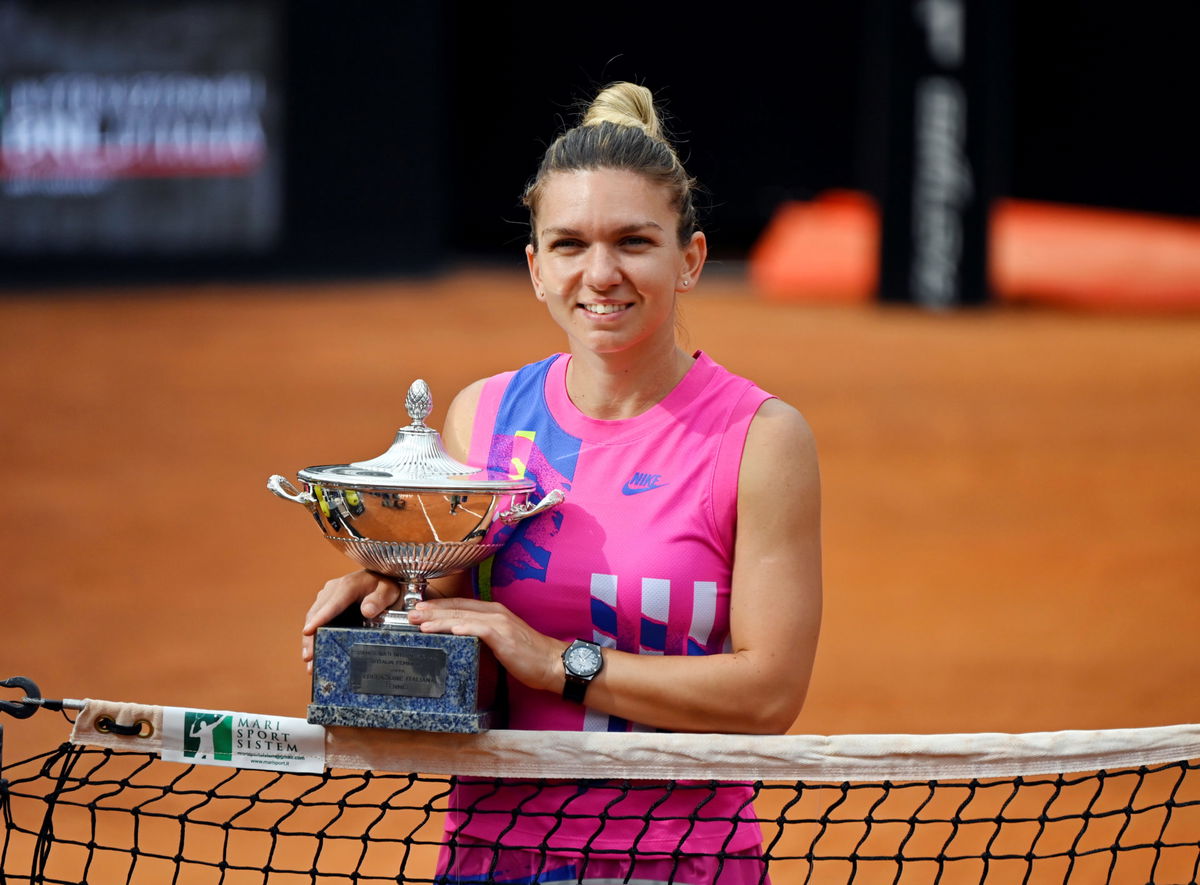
<point>373,592</point>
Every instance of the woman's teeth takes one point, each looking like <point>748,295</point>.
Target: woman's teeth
<point>604,308</point>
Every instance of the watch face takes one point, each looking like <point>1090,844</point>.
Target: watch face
<point>583,660</point>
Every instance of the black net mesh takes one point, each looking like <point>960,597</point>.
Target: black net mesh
<point>104,816</point>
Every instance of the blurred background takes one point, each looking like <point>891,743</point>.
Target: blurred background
<point>227,138</point>
<point>960,236</point>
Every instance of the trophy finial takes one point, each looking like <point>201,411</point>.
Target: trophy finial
<point>418,402</point>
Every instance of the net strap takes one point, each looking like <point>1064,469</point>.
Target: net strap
<point>676,756</point>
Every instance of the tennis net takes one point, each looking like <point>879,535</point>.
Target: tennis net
<point>1119,806</point>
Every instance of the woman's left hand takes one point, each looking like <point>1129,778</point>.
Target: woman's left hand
<point>529,656</point>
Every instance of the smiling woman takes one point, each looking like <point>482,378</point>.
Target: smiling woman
<point>679,585</point>
<point>610,268</point>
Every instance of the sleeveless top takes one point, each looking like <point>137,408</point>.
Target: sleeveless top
<point>639,558</point>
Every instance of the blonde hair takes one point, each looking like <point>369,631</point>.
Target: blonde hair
<point>625,104</point>
<point>620,129</point>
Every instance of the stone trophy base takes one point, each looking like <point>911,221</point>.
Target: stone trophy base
<point>368,677</point>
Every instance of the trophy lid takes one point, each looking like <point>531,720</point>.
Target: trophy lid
<point>416,460</point>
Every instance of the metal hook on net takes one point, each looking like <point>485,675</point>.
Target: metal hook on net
<point>28,705</point>
<point>33,700</point>
<point>21,709</point>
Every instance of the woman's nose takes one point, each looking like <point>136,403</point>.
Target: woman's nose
<point>602,270</point>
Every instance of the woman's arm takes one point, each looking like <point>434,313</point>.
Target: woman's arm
<point>374,593</point>
<point>759,687</point>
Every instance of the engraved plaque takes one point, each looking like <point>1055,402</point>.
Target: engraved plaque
<point>397,670</point>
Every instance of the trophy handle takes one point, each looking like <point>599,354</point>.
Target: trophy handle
<point>523,511</point>
<point>284,489</point>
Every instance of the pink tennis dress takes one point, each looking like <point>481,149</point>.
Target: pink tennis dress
<point>638,558</point>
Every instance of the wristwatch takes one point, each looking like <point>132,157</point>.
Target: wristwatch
<point>581,662</point>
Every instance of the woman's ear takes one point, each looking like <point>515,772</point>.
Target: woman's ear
<point>535,272</point>
<point>695,253</point>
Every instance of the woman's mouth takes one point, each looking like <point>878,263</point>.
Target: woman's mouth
<point>602,309</point>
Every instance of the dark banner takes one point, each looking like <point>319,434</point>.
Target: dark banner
<point>132,127</point>
<point>946,142</point>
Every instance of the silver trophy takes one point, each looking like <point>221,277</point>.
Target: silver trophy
<point>414,513</point>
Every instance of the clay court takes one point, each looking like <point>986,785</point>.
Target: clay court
<point>1012,497</point>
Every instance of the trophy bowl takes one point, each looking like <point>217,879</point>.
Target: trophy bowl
<point>413,513</point>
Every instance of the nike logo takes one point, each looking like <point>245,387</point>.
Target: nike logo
<point>642,482</point>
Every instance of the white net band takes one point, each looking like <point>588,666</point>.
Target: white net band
<point>551,754</point>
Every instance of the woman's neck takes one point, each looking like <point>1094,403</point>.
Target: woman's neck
<point>611,387</point>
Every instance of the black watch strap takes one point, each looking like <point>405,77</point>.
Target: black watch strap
<point>575,688</point>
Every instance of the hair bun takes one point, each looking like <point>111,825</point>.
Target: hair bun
<point>625,104</point>
<point>620,130</point>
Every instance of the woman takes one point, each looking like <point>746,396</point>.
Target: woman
<point>678,586</point>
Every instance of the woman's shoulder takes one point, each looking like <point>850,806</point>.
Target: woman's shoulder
<point>781,428</point>
<point>483,393</point>
<point>460,416</point>
<point>780,453</point>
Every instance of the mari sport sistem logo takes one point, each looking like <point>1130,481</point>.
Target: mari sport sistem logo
<point>207,736</point>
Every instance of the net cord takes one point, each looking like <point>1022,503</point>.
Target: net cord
<point>678,756</point>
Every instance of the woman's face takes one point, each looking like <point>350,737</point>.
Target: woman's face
<point>609,264</point>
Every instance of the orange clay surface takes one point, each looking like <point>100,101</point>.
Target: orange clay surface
<point>1012,497</point>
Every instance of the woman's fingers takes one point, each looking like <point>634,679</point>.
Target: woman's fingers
<point>373,592</point>
<point>465,617</point>
<point>381,597</point>
<point>529,656</point>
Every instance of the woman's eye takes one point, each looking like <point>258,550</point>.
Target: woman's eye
<point>636,241</point>
<point>566,243</point>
